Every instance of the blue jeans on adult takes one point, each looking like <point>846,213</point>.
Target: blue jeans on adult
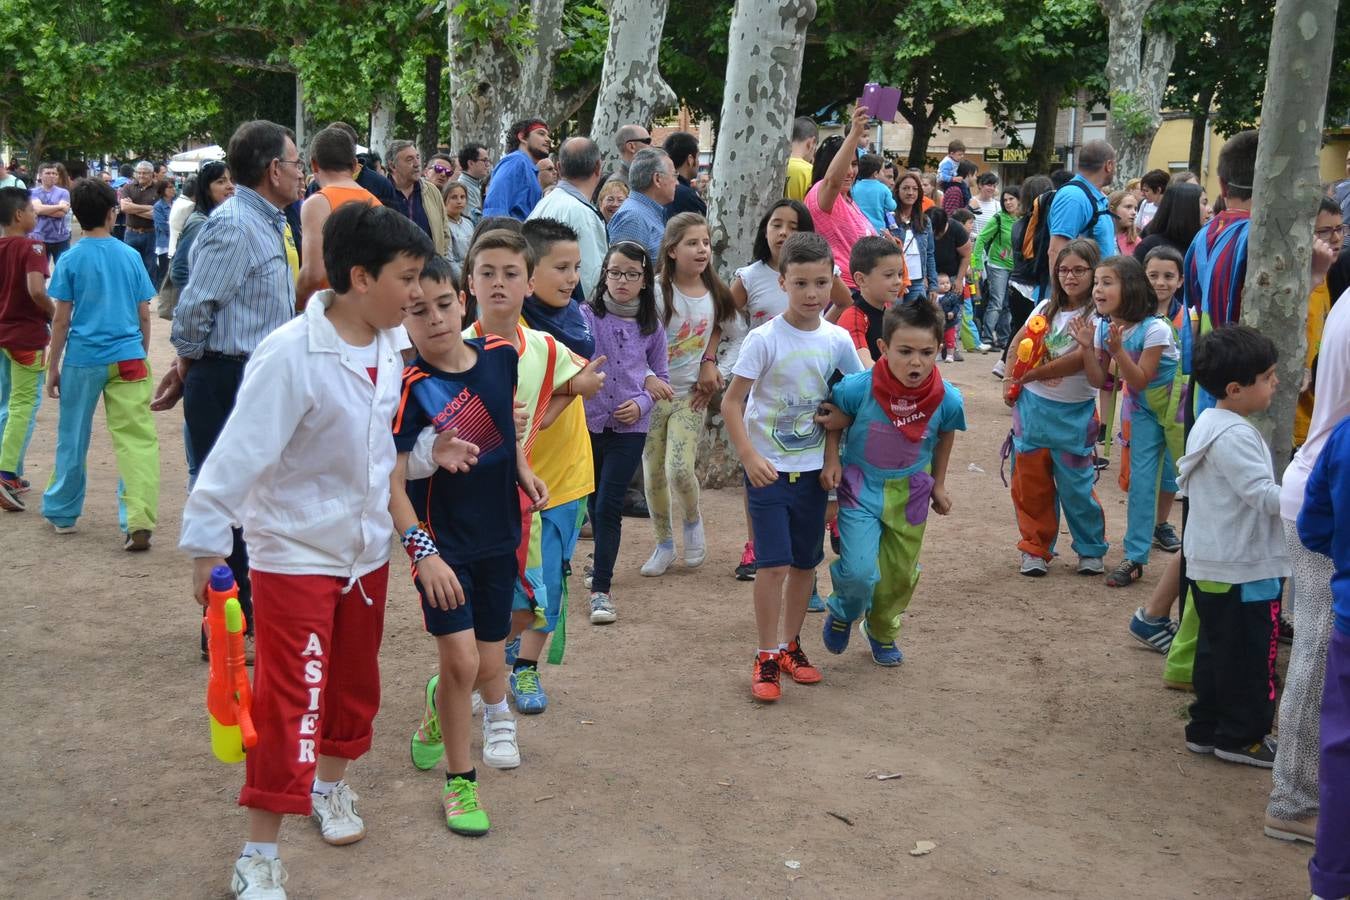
<point>915,293</point>
<point>617,455</point>
<point>143,242</point>
<point>997,321</point>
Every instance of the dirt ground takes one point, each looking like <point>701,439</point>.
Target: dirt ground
<point>1038,748</point>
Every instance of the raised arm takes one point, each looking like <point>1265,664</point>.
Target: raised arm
<point>833,182</point>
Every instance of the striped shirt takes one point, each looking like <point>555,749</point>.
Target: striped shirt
<point>240,288</point>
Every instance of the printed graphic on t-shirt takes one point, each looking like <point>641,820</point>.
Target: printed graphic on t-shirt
<point>463,411</point>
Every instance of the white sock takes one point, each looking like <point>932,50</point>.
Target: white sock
<point>259,848</point>
<point>493,709</point>
<point>323,788</point>
<point>782,646</point>
<point>774,652</point>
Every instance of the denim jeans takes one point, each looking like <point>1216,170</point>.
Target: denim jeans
<point>143,242</point>
<point>997,321</point>
<point>616,455</point>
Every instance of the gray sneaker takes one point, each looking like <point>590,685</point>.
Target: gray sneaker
<point>1090,565</point>
<point>602,609</point>
<point>1261,754</point>
<point>1165,538</point>
<point>1033,565</point>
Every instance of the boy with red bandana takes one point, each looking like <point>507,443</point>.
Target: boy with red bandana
<point>894,467</point>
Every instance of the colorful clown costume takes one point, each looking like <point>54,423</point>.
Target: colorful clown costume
<point>883,501</point>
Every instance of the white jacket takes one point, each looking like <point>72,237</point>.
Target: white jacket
<point>303,462</point>
<point>1233,532</point>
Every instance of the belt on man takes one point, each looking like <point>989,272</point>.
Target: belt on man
<point>239,358</point>
<point>134,228</point>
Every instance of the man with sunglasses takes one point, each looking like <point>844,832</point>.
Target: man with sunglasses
<point>474,165</point>
<point>514,188</point>
<point>628,140</point>
<point>440,169</point>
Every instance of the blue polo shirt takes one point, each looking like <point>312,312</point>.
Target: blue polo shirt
<point>1071,210</point>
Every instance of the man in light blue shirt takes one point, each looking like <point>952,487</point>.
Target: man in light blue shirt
<point>1079,208</point>
<point>642,217</point>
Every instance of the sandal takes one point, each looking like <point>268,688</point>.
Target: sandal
<point>1125,574</point>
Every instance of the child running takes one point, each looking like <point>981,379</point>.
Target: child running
<point>25,312</point>
<point>1055,428</point>
<point>461,529</point>
<point>758,293</point>
<point>1236,558</point>
<point>562,453</point>
<point>905,419</point>
<point>693,305</point>
<point>879,272</point>
<point>305,463</point>
<point>781,379</point>
<point>628,332</point>
<point>1144,350</point>
<point>100,338</point>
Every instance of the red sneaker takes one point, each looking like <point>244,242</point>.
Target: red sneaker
<point>794,662</point>
<point>764,685</point>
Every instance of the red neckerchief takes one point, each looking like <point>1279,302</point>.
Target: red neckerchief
<point>908,409</point>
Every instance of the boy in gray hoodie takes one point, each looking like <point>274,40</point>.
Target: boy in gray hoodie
<point>1235,550</point>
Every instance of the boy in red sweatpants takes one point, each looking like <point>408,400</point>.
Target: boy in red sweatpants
<point>304,463</point>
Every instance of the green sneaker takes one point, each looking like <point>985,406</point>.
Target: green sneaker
<point>427,746</point>
<point>463,815</point>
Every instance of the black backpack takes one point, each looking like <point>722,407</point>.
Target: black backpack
<point>1038,231</point>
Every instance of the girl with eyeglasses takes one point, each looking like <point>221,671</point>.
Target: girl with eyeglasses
<point>629,335</point>
<point>1055,426</point>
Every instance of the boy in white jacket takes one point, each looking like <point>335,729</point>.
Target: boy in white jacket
<point>1235,551</point>
<point>304,464</point>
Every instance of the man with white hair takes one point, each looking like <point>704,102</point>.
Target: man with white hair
<point>137,199</point>
<point>642,218</point>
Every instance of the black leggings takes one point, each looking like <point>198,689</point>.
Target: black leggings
<point>1020,308</point>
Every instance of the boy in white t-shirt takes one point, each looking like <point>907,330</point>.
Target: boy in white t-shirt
<point>779,381</point>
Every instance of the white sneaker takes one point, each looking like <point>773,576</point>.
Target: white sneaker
<point>336,814</point>
<point>998,369</point>
<point>602,609</point>
<point>1033,565</point>
<point>659,561</point>
<point>500,749</point>
<point>985,347</point>
<point>695,547</point>
<point>258,878</point>
<point>1090,565</point>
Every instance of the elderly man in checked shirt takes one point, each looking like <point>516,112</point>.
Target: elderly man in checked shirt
<point>240,290</point>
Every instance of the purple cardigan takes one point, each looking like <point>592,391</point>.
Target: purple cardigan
<point>629,356</point>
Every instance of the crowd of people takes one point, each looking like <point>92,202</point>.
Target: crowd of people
<point>479,359</point>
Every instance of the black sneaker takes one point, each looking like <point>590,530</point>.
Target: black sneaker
<point>1100,462</point>
<point>1286,631</point>
<point>1261,754</point>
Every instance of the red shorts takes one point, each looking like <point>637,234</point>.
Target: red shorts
<point>316,680</point>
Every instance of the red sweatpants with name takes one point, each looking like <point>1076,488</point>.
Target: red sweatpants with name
<point>316,680</point>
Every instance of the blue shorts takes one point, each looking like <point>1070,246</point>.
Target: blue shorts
<point>561,526</point>
<point>488,588</point>
<point>788,520</point>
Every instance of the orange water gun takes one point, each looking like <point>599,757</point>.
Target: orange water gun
<point>229,698</point>
<point>1030,352</point>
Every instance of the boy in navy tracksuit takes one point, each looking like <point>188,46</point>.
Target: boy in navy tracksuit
<point>1324,527</point>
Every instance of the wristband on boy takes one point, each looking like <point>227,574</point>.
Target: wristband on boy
<point>418,544</point>
<point>711,359</point>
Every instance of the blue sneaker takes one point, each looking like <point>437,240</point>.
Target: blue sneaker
<point>815,604</point>
<point>835,633</point>
<point>1155,634</point>
<point>512,651</point>
<point>882,654</point>
<point>529,693</point>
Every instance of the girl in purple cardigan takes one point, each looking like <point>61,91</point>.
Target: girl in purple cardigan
<point>628,333</point>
